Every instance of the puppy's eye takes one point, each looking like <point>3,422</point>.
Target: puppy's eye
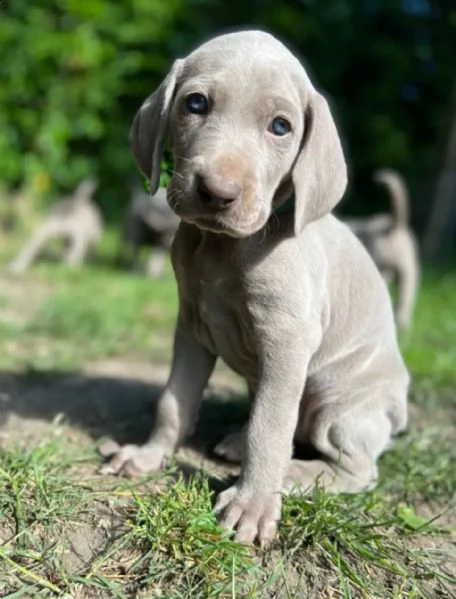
<point>197,104</point>
<point>279,126</point>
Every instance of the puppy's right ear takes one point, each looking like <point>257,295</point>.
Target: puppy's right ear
<point>148,132</point>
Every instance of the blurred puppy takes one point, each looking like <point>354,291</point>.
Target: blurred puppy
<point>76,219</point>
<point>392,244</point>
<point>151,223</point>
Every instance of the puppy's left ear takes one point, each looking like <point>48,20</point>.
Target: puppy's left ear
<point>319,174</point>
<point>148,132</point>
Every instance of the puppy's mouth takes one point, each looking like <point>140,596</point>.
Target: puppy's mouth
<point>223,225</point>
<point>233,222</point>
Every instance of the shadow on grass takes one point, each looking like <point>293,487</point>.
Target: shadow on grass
<point>121,409</point>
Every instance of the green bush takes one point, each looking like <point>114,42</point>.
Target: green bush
<point>74,74</point>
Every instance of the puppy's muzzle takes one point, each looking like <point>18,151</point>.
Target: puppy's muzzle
<point>217,193</point>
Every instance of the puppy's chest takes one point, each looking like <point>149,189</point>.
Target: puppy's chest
<point>213,308</point>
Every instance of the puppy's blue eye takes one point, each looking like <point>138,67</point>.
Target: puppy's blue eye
<point>197,104</point>
<point>280,126</point>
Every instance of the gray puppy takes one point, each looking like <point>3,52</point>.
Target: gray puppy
<point>151,223</point>
<point>268,280</point>
<point>76,219</point>
<point>392,244</point>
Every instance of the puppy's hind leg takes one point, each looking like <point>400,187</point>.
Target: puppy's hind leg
<point>31,251</point>
<point>78,250</point>
<point>350,443</point>
<point>408,282</point>
<point>155,266</point>
<point>232,447</point>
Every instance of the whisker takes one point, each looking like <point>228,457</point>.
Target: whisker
<point>275,217</point>
<point>173,172</point>
<point>174,196</point>
<point>183,158</point>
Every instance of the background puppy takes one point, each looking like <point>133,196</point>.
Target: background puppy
<point>392,244</point>
<point>150,223</point>
<point>283,292</point>
<point>76,219</point>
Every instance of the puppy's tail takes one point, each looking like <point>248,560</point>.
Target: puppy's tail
<point>398,192</point>
<point>85,189</point>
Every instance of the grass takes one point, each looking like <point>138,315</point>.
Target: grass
<point>431,352</point>
<point>65,531</point>
<point>90,314</point>
<point>168,542</point>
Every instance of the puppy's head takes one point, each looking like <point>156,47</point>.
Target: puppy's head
<point>248,130</point>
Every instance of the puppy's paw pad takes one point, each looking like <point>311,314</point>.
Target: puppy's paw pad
<point>16,268</point>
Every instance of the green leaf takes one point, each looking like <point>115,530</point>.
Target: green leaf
<point>410,518</point>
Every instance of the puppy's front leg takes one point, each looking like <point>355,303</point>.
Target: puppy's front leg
<point>177,410</point>
<point>253,503</point>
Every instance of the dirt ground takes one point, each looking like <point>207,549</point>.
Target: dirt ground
<point>113,398</point>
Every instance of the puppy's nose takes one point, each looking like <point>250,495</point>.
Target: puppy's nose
<point>217,192</point>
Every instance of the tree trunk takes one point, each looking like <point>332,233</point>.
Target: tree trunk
<point>440,235</point>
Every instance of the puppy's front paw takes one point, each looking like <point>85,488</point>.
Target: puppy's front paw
<point>231,448</point>
<point>254,515</point>
<point>16,267</point>
<point>132,460</point>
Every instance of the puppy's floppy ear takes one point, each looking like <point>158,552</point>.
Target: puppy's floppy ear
<point>319,174</point>
<point>148,131</point>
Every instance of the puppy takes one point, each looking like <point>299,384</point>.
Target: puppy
<point>149,222</point>
<point>392,244</point>
<point>268,280</point>
<point>76,219</point>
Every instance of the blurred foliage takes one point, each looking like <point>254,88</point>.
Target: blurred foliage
<point>73,74</point>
